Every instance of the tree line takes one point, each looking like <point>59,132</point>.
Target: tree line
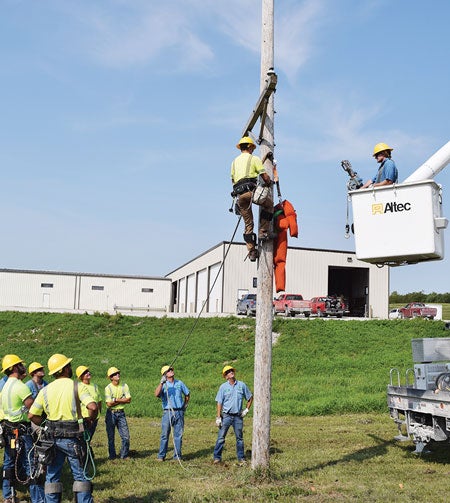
<point>433,297</point>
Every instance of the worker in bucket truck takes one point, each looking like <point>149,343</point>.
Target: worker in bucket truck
<point>229,399</point>
<point>244,175</point>
<point>387,173</point>
<point>175,397</point>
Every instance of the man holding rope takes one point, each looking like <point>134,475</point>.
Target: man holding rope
<point>174,396</point>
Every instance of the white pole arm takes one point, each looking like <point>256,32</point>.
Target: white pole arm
<point>432,166</point>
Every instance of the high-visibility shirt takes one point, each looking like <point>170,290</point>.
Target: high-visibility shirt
<point>246,166</point>
<point>95,394</point>
<point>14,392</point>
<point>57,400</point>
<point>113,392</point>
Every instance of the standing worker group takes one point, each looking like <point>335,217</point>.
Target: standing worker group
<point>230,398</point>
<point>117,395</point>
<point>64,428</point>
<point>174,396</point>
<point>16,400</point>
<point>245,170</point>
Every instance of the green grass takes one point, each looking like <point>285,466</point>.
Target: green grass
<point>331,436</point>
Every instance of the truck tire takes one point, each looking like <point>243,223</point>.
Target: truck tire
<point>249,312</point>
<point>319,313</point>
<point>306,315</point>
<point>286,312</point>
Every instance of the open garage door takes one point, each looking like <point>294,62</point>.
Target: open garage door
<point>353,284</point>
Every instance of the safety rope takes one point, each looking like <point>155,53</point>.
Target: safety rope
<point>183,345</point>
<point>89,457</point>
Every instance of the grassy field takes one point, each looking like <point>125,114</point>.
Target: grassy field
<point>331,438</point>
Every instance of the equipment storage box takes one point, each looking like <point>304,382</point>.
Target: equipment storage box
<point>399,224</point>
<point>435,349</point>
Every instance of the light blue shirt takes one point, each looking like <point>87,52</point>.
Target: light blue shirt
<point>231,397</point>
<point>386,171</point>
<point>172,394</point>
<point>35,388</point>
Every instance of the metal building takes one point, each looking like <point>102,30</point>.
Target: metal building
<point>224,272</point>
<point>82,292</point>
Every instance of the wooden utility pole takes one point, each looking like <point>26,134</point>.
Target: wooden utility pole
<point>263,335</point>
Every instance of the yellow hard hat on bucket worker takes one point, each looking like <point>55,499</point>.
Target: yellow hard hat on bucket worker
<point>381,147</point>
<point>245,140</point>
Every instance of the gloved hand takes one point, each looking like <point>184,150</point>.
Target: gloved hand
<point>219,422</point>
<point>244,412</point>
<point>163,379</point>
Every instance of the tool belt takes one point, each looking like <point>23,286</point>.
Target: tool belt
<point>23,428</point>
<point>243,186</point>
<point>64,429</point>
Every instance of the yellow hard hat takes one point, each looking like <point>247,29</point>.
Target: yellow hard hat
<point>9,361</point>
<point>81,370</point>
<point>379,147</point>
<point>111,371</point>
<point>245,139</point>
<point>57,362</point>
<point>226,369</point>
<point>34,366</point>
<point>165,369</point>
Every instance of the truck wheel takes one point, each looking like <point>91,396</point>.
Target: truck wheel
<point>306,315</point>
<point>249,312</point>
<point>274,311</point>
<point>286,312</point>
<point>319,313</point>
<point>400,316</point>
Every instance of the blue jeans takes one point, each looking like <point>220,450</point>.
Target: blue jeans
<point>66,448</point>
<point>36,491</point>
<point>172,419</point>
<point>238,425</point>
<point>119,420</point>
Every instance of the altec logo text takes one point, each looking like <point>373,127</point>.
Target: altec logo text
<point>380,208</point>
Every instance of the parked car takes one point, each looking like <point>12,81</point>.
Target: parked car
<point>291,304</point>
<point>247,305</point>
<point>417,310</point>
<point>394,314</point>
<point>328,306</point>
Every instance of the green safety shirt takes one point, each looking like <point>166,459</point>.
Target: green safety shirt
<point>95,394</point>
<point>57,400</point>
<point>14,392</point>
<point>240,167</point>
<point>113,392</point>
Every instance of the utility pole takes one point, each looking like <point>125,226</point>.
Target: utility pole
<point>263,334</point>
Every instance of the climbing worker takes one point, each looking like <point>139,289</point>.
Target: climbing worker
<point>84,375</point>
<point>61,400</point>
<point>16,400</point>
<point>244,175</point>
<point>117,395</point>
<point>387,173</point>
<point>36,383</point>
<point>174,396</point>
<point>229,400</point>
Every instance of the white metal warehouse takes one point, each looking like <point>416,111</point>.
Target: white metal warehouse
<point>224,271</point>
<point>82,292</point>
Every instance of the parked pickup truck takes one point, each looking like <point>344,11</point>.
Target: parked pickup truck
<point>291,304</point>
<point>417,310</point>
<point>327,306</point>
<point>247,305</point>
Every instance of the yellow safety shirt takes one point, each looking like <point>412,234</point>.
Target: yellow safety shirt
<point>120,391</point>
<point>14,392</point>
<point>95,394</point>
<point>241,163</point>
<point>57,400</point>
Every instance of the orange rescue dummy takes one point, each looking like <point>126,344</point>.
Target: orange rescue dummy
<point>285,218</point>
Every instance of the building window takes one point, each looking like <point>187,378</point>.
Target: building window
<point>95,287</point>
<point>46,285</point>
<point>147,290</point>
<point>255,282</point>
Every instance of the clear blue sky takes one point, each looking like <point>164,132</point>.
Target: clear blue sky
<point>119,121</point>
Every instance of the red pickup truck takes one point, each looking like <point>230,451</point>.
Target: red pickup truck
<point>291,304</point>
<point>327,306</point>
<point>417,310</point>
